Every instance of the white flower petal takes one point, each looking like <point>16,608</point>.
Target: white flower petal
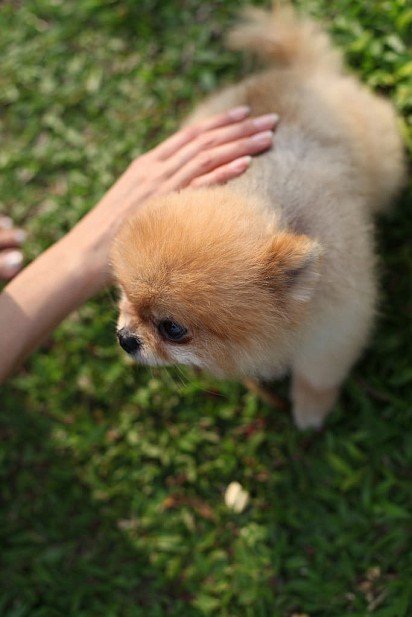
<point>236,498</point>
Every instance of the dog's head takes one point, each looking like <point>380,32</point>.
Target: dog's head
<point>207,280</point>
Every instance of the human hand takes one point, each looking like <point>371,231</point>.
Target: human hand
<point>11,258</point>
<point>209,152</point>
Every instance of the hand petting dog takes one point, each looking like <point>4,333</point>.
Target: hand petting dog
<point>62,278</point>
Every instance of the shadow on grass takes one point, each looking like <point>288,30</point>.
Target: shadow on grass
<point>62,549</point>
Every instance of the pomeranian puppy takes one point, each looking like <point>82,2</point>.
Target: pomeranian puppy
<point>275,270</point>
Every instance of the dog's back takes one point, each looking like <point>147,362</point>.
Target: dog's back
<point>332,129</point>
<point>337,158</point>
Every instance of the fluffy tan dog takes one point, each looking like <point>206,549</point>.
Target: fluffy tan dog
<point>276,270</point>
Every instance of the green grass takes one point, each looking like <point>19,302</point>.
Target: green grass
<point>113,476</point>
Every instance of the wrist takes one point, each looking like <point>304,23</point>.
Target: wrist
<point>90,241</point>
<point>86,260</point>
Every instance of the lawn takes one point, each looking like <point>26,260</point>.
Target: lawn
<point>113,476</point>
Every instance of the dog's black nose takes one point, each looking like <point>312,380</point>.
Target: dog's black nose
<point>128,342</point>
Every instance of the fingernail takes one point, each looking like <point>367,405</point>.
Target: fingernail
<point>238,113</point>
<point>12,262</point>
<point>20,235</point>
<point>266,121</point>
<point>240,164</point>
<point>6,222</point>
<point>262,138</point>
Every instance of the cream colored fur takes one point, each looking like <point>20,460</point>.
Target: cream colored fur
<point>336,160</point>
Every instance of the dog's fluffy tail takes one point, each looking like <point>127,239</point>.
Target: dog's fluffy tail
<point>283,37</point>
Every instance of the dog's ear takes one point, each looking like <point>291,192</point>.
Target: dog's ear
<point>291,266</point>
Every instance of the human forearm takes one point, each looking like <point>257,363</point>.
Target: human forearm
<point>34,303</point>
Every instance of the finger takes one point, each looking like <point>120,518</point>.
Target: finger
<point>216,157</point>
<point>217,137</point>
<point>224,173</point>
<point>246,128</point>
<point>6,222</point>
<point>10,264</point>
<point>10,238</point>
<point>187,134</point>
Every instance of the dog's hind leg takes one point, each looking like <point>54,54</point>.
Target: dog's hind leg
<point>266,394</point>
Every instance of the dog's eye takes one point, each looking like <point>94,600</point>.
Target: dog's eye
<point>171,330</point>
